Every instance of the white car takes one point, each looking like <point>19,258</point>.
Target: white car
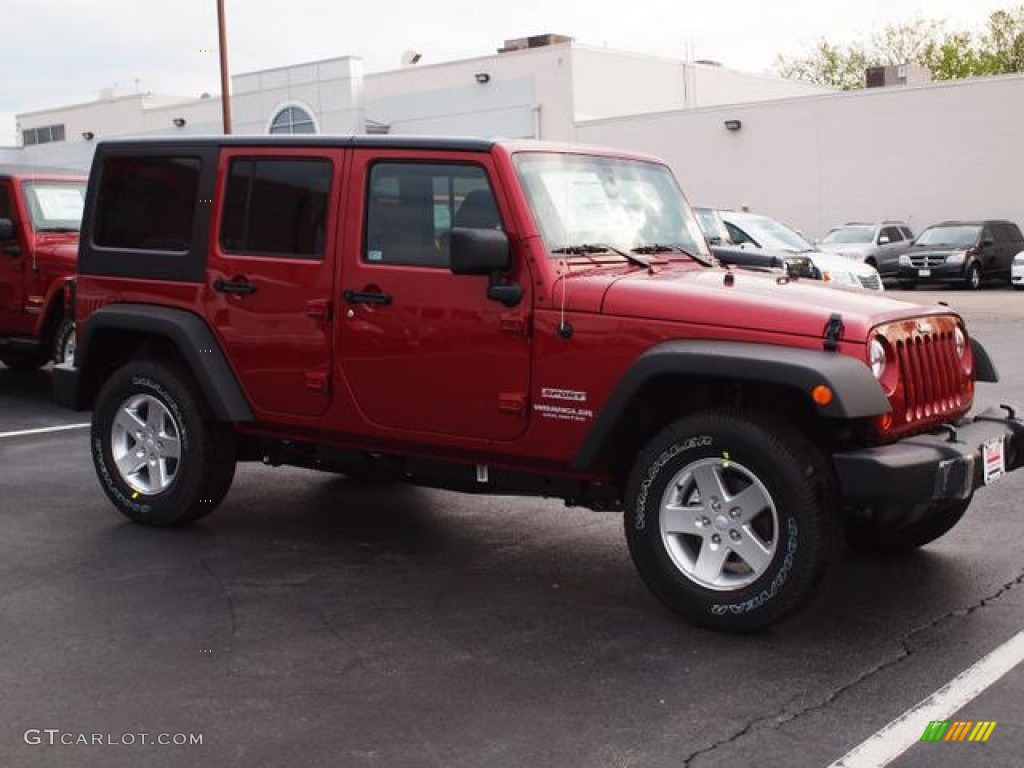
<point>763,232</point>
<point>1017,271</point>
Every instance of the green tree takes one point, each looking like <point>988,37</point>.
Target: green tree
<point>949,55</point>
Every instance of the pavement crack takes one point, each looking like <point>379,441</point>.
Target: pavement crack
<point>231,611</point>
<point>785,715</point>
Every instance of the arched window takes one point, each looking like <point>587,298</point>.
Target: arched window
<point>293,120</point>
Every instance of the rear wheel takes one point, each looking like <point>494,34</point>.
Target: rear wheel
<point>730,519</point>
<point>160,456</point>
<point>64,343</point>
<point>930,522</point>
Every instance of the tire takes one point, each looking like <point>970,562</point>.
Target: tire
<point>64,343</point>
<point>21,360</point>
<point>152,409</point>
<point>972,278</point>
<point>932,521</point>
<point>783,522</point>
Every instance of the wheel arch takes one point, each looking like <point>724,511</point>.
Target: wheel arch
<point>676,378</point>
<point>115,333</point>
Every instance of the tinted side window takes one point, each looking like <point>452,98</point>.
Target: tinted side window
<point>1015,234</point>
<point>147,203</point>
<point>907,234</point>
<point>5,202</point>
<point>276,207</point>
<point>893,233</point>
<point>412,208</point>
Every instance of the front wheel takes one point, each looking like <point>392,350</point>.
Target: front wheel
<point>160,455</point>
<point>731,519</point>
<point>972,280</point>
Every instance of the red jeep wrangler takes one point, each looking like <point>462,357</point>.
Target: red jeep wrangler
<point>40,213</point>
<point>513,318</point>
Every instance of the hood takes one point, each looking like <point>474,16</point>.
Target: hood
<point>59,247</point>
<point>754,301</point>
<point>847,249</point>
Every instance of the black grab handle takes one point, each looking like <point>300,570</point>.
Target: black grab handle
<point>234,286</point>
<point>359,297</point>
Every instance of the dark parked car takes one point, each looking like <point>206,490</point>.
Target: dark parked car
<point>747,255</point>
<point>965,252</point>
<point>879,245</point>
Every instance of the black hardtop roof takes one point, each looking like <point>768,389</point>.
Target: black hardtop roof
<point>380,142</point>
<point>9,170</point>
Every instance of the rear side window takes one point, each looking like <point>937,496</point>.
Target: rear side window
<point>907,234</point>
<point>413,207</point>
<point>1015,234</point>
<point>276,207</point>
<point>147,203</point>
<point>893,233</point>
<point>5,202</point>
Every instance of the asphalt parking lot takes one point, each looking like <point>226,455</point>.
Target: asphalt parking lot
<point>314,622</point>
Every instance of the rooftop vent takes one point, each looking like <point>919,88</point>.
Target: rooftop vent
<point>534,41</point>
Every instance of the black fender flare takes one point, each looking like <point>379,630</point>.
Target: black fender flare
<point>192,337</point>
<point>856,392</point>
<point>984,368</point>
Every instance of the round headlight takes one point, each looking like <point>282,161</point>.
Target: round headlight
<point>877,358</point>
<point>961,342</point>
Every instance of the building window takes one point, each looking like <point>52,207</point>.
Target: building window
<point>42,135</point>
<point>293,120</point>
<point>277,207</point>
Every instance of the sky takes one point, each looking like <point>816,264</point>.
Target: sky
<point>59,52</point>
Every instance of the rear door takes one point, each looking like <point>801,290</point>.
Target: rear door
<point>269,273</point>
<point>424,350</point>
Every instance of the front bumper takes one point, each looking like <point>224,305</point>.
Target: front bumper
<point>930,467</point>
<point>941,273</point>
<point>1017,275</point>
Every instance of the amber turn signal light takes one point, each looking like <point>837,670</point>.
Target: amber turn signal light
<point>821,394</point>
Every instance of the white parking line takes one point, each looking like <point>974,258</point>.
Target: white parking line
<point>43,430</point>
<point>906,730</point>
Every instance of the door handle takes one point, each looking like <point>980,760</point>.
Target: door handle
<point>361,297</point>
<point>238,285</point>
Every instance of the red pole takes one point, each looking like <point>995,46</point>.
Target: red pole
<point>225,89</point>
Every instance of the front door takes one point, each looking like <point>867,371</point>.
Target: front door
<point>270,273</point>
<point>12,264</point>
<point>424,350</point>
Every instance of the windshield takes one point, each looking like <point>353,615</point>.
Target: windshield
<point>627,204</point>
<point>712,225</point>
<point>959,237</point>
<point>850,235</point>
<point>55,206</point>
<point>769,233</point>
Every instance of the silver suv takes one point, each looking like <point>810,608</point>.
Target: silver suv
<point>880,245</point>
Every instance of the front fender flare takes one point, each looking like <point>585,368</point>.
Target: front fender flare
<point>856,392</point>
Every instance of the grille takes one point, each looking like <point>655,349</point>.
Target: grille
<point>927,259</point>
<point>871,282</point>
<point>930,374</point>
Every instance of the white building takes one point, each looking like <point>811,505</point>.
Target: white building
<point>810,156</point>
<point>537,87</point>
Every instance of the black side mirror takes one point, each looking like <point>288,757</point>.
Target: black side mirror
<point>987,242</point>
<point>485,252</point>
<point>6,229</point>
<point>479,251</point>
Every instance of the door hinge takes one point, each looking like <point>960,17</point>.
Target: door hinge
<point>513,322</point>
<point>318,381</point>
<point>320,309</point>
<point>512,402</point>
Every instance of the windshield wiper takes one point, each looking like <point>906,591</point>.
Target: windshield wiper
<point>586,249</point>
<point>57,229</point>
<point>653,248</point>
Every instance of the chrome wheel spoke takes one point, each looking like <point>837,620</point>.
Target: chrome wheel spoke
<point>682,519</point>
<point>750,502</point>
<point>709,481</point>
<point>751,550</point>
<point>170,447</point>
<point>710,561</point>
<point>158,475</point>
<point>128,421</point>
<point>130,463</point>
